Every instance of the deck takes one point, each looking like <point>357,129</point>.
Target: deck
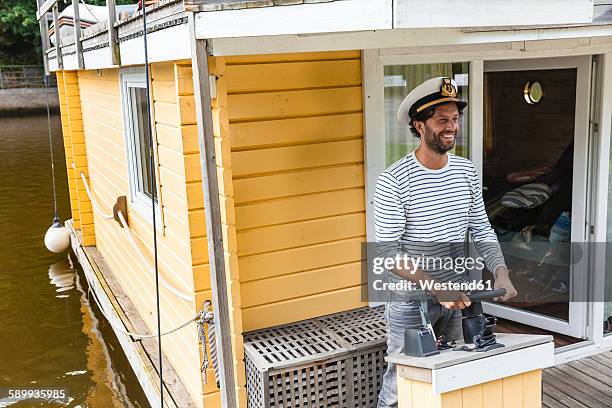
<point>584,383</point>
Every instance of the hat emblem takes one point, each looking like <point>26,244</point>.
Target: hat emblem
<point>448,89</point>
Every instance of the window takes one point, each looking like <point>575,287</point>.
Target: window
<point>399,80</point>
<point>139,154</point>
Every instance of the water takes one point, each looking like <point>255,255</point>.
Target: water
<point>49,335</point>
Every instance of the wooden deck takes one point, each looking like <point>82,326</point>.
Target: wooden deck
<point>584,383</point>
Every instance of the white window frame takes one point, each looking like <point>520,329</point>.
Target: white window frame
<point>373,61</point>
<point>139,201</point>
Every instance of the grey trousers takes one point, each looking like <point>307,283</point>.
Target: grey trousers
<point>404,315</point>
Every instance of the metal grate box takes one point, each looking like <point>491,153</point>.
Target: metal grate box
<point>330,361</point>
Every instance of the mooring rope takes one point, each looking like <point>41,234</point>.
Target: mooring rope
<point>94,202</point>
<point>182,295</point>
<point>55,217</point>
<point>205,322</point>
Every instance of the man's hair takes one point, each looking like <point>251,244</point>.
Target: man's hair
<point>425,114</point>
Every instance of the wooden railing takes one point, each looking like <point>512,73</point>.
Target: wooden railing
<point>46,6</point>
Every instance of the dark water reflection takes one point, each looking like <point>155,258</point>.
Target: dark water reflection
<point>49,336</point>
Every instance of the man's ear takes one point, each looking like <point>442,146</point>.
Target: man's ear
<point>419,126</point>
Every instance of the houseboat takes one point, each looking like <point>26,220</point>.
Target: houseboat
<point>271,122</point>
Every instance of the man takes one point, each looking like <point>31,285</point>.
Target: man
<point>429,197</point>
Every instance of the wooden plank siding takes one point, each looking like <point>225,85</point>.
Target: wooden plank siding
<point>108,171</point>
<point>72,187</point>
<point>295,125</point>
<point>517,391</point>
<point>78,155</point>
<point>194,205</point>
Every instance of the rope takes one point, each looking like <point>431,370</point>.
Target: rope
<point>204,317</point>
<point>182,295</point>
<point>207,319</point>
<point>55,217</point>
<point>97,208</point>
<point>153,193</point>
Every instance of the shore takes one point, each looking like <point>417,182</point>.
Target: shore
<point>27,100</point>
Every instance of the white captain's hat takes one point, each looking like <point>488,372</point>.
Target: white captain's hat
<point>430,93</point>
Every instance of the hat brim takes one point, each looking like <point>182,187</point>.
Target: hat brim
<point>404,115</point>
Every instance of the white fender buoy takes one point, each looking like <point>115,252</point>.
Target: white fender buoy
<point>57,238</point>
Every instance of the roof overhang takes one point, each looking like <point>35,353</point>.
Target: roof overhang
<point>301,17</point>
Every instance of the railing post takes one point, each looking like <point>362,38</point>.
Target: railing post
<point>44,34</point>
<point>58,38</point>
<point>1,81</point>
<point>78,47</point>
<point>113,42</point>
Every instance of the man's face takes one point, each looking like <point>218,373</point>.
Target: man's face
<point>440,131</point>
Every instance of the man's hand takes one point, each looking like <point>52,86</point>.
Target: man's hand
<point>502,280</point>
<point>453,299</point>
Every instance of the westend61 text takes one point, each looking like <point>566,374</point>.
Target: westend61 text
<point>405,285</point>
<point>411,264</point>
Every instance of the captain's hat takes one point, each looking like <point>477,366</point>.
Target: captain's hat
<point>430,93</point>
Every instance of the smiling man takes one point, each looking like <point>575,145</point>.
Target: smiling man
<point>426,198</point>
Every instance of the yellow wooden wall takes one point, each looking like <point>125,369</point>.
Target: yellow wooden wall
<point>517,391</point>
<point>181,234</point>
<point>296,139</point>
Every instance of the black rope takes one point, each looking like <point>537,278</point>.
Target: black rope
<point>153,196</point>
<point>55,217</point>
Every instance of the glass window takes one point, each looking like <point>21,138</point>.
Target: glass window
<point>399,80</point>
<point>139,154</point>
<point>142,154</point>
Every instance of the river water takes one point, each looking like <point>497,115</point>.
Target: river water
<point>50,335</point>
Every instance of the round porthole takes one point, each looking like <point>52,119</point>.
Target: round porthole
<point>533,92</point>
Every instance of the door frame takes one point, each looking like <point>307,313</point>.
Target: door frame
<point>576,324</point>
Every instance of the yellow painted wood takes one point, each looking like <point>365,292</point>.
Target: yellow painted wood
<point>452,399</point>
<point>164,91</point>
<point>298,182</point>
<point>532,389</point>
<point>104,140</point>
<point>292,75</point>
<point>473,397</point>
<point>300,259</point>
<point>299,208</point>
<point>257,106</point>
<point>167,113</point>
<point>404,393</point>
<point>422,395</point>
<point>280,132</point>
<point>296,285</point>
<point>512,391</point>
<point>521,390</point>
<point>279,237</point>
<point>263,161</point>
<point>298,56</point>
<point>301,308</point>
<point>492,394</point>
<point>187,108</point>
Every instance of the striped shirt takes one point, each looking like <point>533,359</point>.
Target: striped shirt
<point>417,209</point>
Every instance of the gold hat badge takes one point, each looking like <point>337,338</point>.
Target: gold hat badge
<point>448,89</point>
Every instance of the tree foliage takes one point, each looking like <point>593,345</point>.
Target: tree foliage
<point>19,30</point>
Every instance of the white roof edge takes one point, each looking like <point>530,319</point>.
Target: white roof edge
<point>400,38</point>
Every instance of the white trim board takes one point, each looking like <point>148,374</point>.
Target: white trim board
<point>475,13</point>
<point>492,368</point>
<point>165,45</point>
<point>98,58</point>
<point>336,16</point>
<point>400,38</point>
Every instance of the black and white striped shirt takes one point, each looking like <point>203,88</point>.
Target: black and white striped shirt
<point>419,207</point>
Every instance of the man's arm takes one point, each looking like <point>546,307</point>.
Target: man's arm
<point>486,242</point>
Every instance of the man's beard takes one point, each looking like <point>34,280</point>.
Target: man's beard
<point>436,143</point>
